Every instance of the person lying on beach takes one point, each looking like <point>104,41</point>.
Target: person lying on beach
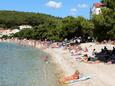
<point>112,60</point>
<point>86,49</point>
<point>84,58</point>
<point>87,59</point>
<point>75,76</point>
<point>45,58</point>
<point>54,45</point>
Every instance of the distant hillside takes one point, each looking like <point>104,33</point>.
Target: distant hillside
<point>46,26</point>
<point>11,19</point>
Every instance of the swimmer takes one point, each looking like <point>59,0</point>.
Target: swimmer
<point>45,58</point>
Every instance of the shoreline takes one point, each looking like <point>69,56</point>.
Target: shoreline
<point>66,64</point>
<point>58,70</point>
<point>62,66</point>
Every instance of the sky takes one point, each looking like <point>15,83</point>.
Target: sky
<point>59,8</point>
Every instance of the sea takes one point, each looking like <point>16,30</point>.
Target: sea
<point>24,66</point>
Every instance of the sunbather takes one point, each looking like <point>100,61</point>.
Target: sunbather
<point>75,76</point>
<point>87,59</point>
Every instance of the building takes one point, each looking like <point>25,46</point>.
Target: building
<point>24,26</point>
<point>8,32</point>
<point>96,8</point>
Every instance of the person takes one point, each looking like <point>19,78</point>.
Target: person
<point>105,48</point>
<point>94,52</point>
<point>75,76</point>
<point>45,58</point>
<point>87,59</point>
<point>86,50</point>
<point>113,51</point>
<point>84,58</point>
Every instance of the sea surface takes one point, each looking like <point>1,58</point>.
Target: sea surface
<point>24,66</point>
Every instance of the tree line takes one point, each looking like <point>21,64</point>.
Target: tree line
<point>101,27</point>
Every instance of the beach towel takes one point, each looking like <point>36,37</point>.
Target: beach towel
<point>82,78</point>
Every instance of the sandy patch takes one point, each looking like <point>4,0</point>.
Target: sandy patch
<point>101,74</point>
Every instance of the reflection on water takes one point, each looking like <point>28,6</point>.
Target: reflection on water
<point>23,66</point>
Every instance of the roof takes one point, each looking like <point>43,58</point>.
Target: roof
<point>99,5</point>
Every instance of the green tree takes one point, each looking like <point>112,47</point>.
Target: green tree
<point>109,3</point>
<point>104,22</point>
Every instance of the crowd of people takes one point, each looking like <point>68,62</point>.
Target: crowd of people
<point>83,54</point>
<point>80,54</point>
<point>106,55</point>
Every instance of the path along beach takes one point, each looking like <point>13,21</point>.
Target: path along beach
<point>102,74</point>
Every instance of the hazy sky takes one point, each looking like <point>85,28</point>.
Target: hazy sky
<point>59,8</point>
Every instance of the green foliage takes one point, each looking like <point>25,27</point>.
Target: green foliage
<point>78,26</point>
<point>104,22</point>
<point>109,3</point>
<point>5,36</point>
<point>14,18</point>
<point>101,26</point>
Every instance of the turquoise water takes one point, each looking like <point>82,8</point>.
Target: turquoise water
<point>23,66</point>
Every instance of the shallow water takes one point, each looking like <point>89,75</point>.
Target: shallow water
<point>23,66</point>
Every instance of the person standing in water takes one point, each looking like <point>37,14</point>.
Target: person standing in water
<point>46,59</point>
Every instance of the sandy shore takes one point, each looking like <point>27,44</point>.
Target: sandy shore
<point>101,74</point>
